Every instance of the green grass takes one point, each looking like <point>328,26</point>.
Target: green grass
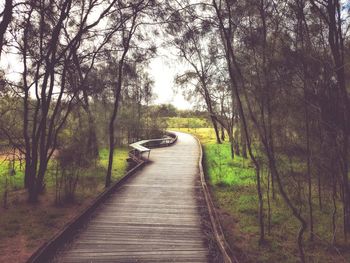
<point>119,161</point>
<point>222,170</point>
<point>205,135</point>
<point>92,175</point>
<point>16,179</point>
<point>234,191</point>
<point>45,217</point>
<point>32,225</point>
<point>179,122</point>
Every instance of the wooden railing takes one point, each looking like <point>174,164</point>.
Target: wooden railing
<point>143,146</point>
<point>49,248</point>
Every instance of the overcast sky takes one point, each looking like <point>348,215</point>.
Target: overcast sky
<point>163,69</point>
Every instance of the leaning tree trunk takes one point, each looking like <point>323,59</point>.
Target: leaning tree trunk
<point>216,129</point>
<point>117,94</point>
<point>232,146</point>
<point>222,133</point>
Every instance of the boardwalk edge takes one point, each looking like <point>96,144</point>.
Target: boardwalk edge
<point>225,249</point>
<point>45,251</point>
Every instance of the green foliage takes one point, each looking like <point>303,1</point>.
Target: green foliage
<point>234,189</point>
<point>166,110</point>
<point>189,123</point>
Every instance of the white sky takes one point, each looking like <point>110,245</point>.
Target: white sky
<point>163,71</point>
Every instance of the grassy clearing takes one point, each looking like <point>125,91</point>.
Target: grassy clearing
<point>95,173</point>
<point>222,170</point>
<point>180,122</point>
<point>16,179</point>
<point>31,225</point>
<point>233,186</point>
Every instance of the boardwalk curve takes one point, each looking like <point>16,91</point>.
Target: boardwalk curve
<point>154,217</point>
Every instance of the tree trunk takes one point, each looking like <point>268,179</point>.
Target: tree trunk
<point>126,45</point>
<point>236,142</point>
<point>7,17</point>
<point>92,144</point>
<point>232,146</point>
<point>268,203</point>
<point>216,129</point>
<point>243,142</point>
<point>222,133</point>
<point>334,213</point>
<point>230,58</point>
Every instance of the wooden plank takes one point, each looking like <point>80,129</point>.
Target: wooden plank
<point>153,217</point>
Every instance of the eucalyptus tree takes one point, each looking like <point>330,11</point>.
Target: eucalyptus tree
<point>6,16</point>
<point>139,14</point>
<point>276,63</point>
<point>136,95</point>
<point>196,45</point>
<point>333,16</point>
<point>48,37</point>
<point>224,12</point>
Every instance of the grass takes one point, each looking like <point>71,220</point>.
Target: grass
<point>119,162</point>
<point>222,170</point>
<point>34,224</point>
<point>16,179</point>
<point>234,190</point>
<point>181,122</point>
<point>95,173</point>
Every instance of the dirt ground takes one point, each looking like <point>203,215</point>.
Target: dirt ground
<point>24,228</point>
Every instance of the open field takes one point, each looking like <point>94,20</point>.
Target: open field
<point>233,187</point>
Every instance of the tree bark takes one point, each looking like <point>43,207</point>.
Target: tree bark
<point>117,93</point>
<point>7,17</point>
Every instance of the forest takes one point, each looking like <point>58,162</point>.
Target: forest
<point>269,84</point>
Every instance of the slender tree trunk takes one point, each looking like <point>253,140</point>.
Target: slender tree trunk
<point>216,129</point>
<point>232,147</point>
<point>7,17</point>
<point>111,150</point>
<point>112,122</point>
<point>334,213</point>
<point>230,58</point>
<point>268,202</point>
<point>308,162</point>
<point>222,133</point>
<point>236,142</point>
<point>243,142</point>
<point>117,94</point>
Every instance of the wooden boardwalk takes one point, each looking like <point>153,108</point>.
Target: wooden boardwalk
<point>154,217</point>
